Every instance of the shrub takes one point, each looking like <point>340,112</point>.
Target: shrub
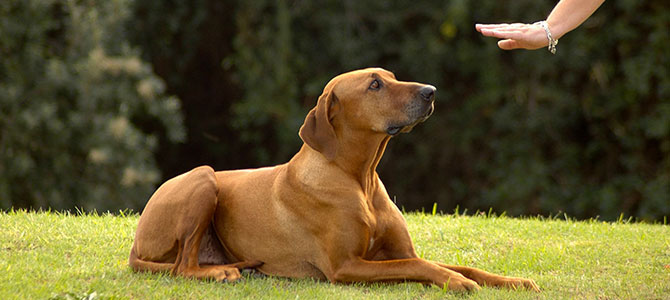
<point>72,93</point>
<point>586,131</point>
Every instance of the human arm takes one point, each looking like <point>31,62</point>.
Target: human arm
<point>566,16</point>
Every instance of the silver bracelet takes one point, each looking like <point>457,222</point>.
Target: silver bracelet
<point>552,41</point>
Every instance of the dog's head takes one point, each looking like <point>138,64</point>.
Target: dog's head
<point>369,100</point>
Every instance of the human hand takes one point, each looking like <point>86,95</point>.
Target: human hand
<point>515,36</point>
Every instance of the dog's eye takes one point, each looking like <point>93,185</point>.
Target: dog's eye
<point>375,85</point>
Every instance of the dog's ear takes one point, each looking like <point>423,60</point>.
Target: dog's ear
<point>317,131</point>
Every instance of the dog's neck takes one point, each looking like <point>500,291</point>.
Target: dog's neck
<point>358,154</point>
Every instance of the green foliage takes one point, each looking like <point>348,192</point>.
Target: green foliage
<point>266,54</point>
<point>187,42</point>
<point>72,92</point>
<point>585,132</point>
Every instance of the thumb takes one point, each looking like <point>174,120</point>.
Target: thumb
<point>508,44</point>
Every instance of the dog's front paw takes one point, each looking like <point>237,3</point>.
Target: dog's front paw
<point>517,282</point>
<point>462,284</point>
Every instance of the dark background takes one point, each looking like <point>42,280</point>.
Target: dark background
<point>101,101</point>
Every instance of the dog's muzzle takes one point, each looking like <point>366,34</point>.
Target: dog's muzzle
<point>418,110</point>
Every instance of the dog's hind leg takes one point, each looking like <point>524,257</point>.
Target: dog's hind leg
<point>172,226</point>
<point>141,265</point>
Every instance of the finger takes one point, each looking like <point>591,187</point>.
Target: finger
<point>488,32</point>
<point>503,27</point>
<point>510,29</point>
<point>511,34</point>
<point>502,34</point>
<point>479,27</point>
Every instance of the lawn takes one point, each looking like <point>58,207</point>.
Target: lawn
<point>50,255</point>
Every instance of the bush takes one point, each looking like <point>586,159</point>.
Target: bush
<point>586,131</point>
<point>72,93</point>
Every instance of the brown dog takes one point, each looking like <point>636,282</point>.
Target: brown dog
<point>325,214</point>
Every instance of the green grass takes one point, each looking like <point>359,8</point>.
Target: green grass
<point>51,255</point>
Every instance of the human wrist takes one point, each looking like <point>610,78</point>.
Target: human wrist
<point>557,31</point>
<point>551,40</point>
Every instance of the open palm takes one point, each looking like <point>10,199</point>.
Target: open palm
<point>515,36</point>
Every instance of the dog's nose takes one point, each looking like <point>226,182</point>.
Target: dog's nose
<point>427,93</point>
